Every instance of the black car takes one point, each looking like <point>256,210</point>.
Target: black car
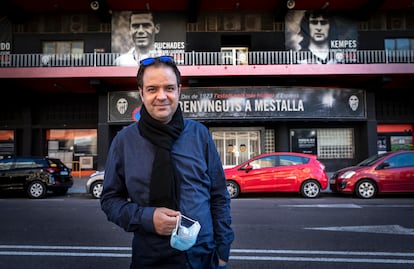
<point>35,175</point>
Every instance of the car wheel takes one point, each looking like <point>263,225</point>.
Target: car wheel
<point>233,189</point>
<point>96,189</point>
<point>366,189</point>
<point>36,190</point>
<point>310,189</point>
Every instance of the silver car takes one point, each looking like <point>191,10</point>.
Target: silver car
<point>94,184</point>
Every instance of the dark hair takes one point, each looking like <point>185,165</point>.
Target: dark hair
<point>157,62</point>
<point>143,12</point>
<point>304,26</point>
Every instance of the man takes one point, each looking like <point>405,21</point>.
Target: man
<point>316,29</point>
<point>161,169</point>
<point>353,102</point>
<point>143,30</point>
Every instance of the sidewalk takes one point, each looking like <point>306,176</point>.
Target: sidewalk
<point>79,185</point>
<point>79,181</point>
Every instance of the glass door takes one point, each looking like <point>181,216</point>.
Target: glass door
<point>235,55</point>
<point>235,147</point>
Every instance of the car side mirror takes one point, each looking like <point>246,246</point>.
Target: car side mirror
<point>248,168</point>
<point>384,165</point>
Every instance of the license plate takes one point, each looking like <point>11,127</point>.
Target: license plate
<point>332,181</point>
<point>64,173</point>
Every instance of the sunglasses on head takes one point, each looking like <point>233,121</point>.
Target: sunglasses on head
<point>322,22</point>
<point>162,59</point>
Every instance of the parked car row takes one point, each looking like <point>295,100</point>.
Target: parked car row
<point>390,172</point>
<point>35,176</point>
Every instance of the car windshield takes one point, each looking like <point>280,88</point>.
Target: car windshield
<point>369,161</point>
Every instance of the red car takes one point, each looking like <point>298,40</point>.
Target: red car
<point>278,172</point>
<point>389,172</point>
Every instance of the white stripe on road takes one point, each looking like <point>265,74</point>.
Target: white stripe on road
<point>381,229</point>
<point>268,254</point>
<point>322,252</point>
<point>63,247</point>
<point>68,254</point>
<point>307,259</point>
<point>325,205</point>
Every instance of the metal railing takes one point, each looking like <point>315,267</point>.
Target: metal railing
<point>213,58</point>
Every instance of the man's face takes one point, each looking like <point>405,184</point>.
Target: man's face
<point>122,105</point>
<point>160,92</point>
<point>143,30</point>
<point>353,102</point>
<point>318,28</point>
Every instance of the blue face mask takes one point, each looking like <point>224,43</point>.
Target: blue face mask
<point>185,233</point>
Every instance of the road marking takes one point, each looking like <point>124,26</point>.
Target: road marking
<point>322,252</point>
<point>326,205</point>
<point>322,259</point>
<point>381,229</point>
<point>65,254</point>
<point>248,254</point>
<point>64,247</point>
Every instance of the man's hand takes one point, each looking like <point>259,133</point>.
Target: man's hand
<point>165,220</point>
<point>222,263</point>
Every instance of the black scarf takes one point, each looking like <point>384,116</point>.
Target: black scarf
<point>164,185</point>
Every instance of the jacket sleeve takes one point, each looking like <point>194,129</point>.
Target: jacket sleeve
<point>115,202</point>
<point>220,203</point>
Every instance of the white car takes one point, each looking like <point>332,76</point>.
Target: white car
<point>94,184</point>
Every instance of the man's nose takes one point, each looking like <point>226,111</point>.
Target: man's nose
<point>161,94</point>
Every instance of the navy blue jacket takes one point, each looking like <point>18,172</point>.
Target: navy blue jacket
<point>203,193</point>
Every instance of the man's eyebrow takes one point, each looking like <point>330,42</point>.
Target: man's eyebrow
<point>160,86</point>
<point>146,22</point>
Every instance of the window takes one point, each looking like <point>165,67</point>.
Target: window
<point>265,162</point>
<point>399,44</point>
<point>235,22</point>
<point>235,56</point>
<point>292,160</point>
<point>25,163</point>
<point>64,50</point>
<point>399,142</point>
<point>211,23</point>
<point>269,141</point>
<point>335,143</point>
<point>6,143</point>
<point>69,145</point>
<point>399,49</point>
<point>237,145</point>
<point>6,164</point>
<point>401,160</point>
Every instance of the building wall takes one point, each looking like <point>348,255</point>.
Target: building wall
<point>208,41</point>
<point>76,111</point>
<point>91,41</point>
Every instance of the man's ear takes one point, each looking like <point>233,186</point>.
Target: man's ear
<point>157,28</point>
<point>141,92</point>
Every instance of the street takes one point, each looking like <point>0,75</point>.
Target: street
<point>272,231</point>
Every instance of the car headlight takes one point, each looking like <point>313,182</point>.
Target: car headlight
<point>347,174</point>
